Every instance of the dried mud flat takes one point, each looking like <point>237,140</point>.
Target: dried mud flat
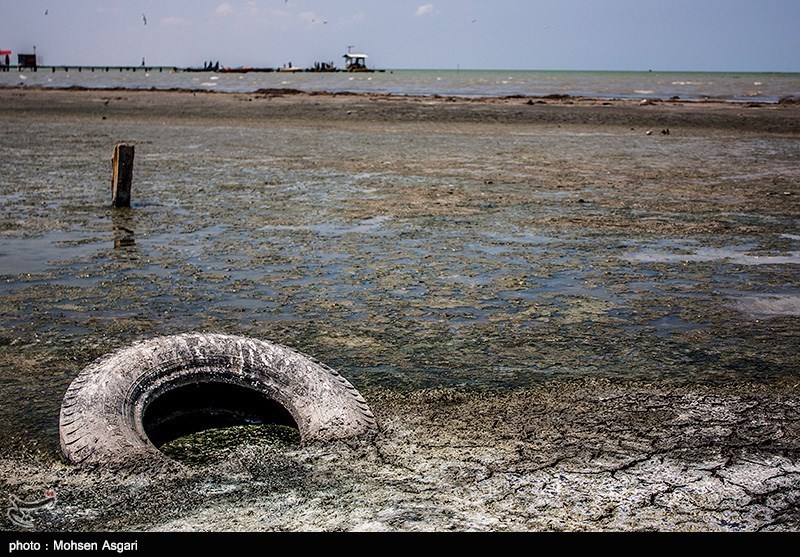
<point>571,456</point>
<point>560,321</point>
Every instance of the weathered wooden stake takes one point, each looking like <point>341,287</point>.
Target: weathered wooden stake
<point>122,164</point>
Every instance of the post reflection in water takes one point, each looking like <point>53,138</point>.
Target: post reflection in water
<point>122,219</point>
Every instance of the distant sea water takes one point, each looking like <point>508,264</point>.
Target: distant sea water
<point>761,87</point>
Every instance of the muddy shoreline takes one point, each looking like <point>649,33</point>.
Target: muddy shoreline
<point>573,456</point>
<point>322,108</point>
<point>561,321</point>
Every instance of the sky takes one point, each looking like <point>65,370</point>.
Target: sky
<point>659,35</point>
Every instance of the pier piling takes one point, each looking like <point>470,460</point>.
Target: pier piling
<point>122,167</point>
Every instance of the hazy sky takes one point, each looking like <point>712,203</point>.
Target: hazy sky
<point>724,35</point>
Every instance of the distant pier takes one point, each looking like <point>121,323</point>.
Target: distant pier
<point>174,69</point>
<point>54,69</point>
<point>148,69</point>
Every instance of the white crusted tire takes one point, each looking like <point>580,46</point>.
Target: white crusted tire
<point>124,405</point>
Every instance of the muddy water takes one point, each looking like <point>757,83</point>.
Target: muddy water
<point>481,259</point>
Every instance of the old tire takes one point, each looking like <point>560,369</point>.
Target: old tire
<point>154,389</point>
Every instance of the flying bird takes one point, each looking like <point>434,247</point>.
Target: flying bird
<point>45,12</point>
<point>144,18</point>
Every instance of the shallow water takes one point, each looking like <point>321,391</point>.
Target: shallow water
<point>403,260</point>
<point>741,86</point>
<point>215,445</point>
<point>408,257</point>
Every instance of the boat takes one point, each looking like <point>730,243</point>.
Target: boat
<point>356,62</point>
<point>245,70</point>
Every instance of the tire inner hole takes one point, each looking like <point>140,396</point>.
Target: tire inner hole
<point>236,414</point>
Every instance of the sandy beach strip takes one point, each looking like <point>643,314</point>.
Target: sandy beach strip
<point>331,108</point>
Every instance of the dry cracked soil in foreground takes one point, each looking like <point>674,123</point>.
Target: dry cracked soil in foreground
<point>578,455</point>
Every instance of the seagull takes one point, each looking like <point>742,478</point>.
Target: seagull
<point>144,18</point>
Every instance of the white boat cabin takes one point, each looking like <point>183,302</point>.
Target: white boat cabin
<point>355,62</point>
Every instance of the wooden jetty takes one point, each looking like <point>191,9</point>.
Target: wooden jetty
<point>98,69</point>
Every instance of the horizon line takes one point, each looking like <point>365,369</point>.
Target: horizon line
<point>390,69</point>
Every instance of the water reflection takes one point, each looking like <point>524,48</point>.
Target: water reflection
<point>122,219</point>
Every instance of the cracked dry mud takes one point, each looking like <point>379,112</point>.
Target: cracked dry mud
<point>576,455</point>
<point>560,321</point>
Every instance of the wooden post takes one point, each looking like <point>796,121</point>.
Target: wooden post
<point>122,165</point>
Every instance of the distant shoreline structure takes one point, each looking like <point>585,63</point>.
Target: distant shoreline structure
<point>30,62</point>
<point>174,69</point>
<point>320,68</point>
